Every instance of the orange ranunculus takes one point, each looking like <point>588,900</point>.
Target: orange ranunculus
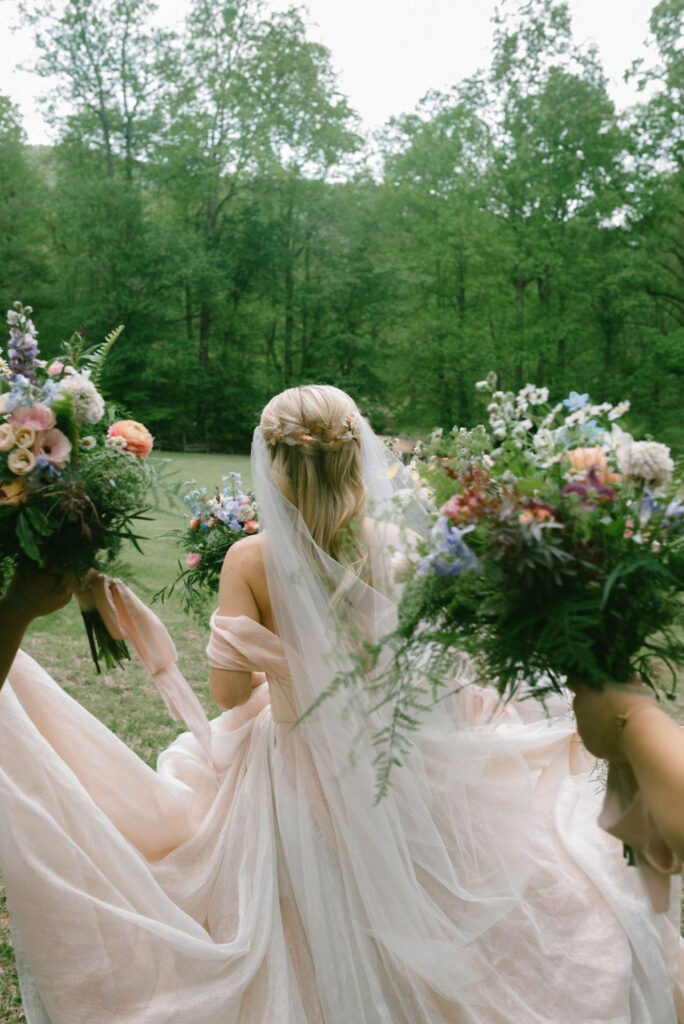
<point>138,439</point>
<point>13,492</point>
<point>582,460</point>
<point>536,515</point>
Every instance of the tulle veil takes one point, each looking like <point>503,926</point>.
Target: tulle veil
<point>426,863</point>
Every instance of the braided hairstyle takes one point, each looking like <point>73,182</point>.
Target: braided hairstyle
<point>313,433</point>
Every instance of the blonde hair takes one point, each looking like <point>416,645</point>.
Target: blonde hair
<point>314,437</point>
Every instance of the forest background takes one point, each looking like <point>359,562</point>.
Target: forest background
<point>213,192</point>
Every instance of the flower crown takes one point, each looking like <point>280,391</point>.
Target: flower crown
<point>345,432</point>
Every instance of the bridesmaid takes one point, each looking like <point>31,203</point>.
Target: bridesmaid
<point>626,726</point>
<point>32,592</point>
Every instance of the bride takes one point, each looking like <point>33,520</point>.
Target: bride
<point>252,878</point>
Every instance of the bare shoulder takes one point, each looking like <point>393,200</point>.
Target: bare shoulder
<point>246,553</point>
<point>241,576</point>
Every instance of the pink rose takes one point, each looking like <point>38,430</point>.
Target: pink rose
<point>55,446</point>
<point>38,417</point>
<point>193,560</point>
<point>55,368</point>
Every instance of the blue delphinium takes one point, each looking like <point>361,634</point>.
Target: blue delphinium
<point>450,555</point>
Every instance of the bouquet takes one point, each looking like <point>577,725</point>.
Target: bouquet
<point>215,524</point>
<point>73,478</point>
<point>558,550</point>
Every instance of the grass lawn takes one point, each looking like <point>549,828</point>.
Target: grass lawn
<point>127,702</point>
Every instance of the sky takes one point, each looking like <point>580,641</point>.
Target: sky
<point>387,53</point>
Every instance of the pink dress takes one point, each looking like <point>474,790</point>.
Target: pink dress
<point>221,890</point>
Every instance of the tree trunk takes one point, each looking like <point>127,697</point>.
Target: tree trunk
<point>289,321</point>
<point>205,326</point>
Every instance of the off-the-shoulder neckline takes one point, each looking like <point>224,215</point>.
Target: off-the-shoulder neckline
<point>245,618</point>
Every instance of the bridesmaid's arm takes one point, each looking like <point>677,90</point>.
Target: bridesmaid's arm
<point>627,725</point>
<point>31,593</point>
<point>229,688</point>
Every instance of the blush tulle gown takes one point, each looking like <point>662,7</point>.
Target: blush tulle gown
<point>253,879</point>
<point>229,893</point>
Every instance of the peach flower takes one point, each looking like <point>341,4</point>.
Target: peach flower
<point>251,526</point>
<point>38,417</point>
<point>21,461</point>
<point>536,515</point>
<point>13,492</point>
<point>138,439</point>
<point>583,459</point>
<point>55,446</point>
<point>7,439</point>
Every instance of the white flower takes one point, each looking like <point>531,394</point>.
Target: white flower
<point>538,396</point>
<point>437,434</point>
<point>482,385</point>
<point>500,433</point>
<point>116,442</point>
<point>578,417</point>
<point>89,404</point>
<point>550,417</point>
<point>543,439</point>
<point>13,317</point>
<point>599,410</point>
<point>88,443</point>
<point>616,439</point>
<point>521,403</point>
<point>648,461</point>
<point>618,411</point>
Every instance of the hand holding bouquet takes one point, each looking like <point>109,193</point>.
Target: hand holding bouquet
<point>73,478</point>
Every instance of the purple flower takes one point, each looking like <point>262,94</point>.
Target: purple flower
<point>450,555</point>
<point>591,488</point>
<point>674,510</point>
<point>22,349</point>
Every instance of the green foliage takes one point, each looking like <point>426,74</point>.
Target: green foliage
<point>210,190</point>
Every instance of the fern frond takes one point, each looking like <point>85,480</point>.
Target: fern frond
<point>97,355</point>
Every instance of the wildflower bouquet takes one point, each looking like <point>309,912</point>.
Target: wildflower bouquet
<point>558,550</point>
<point>215,524</point>
<point>73,478</point>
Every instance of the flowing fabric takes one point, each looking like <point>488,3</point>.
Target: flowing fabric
<point>264,884</point>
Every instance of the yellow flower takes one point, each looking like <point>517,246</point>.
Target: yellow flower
<point>13,492</point>
<point>21,461</point>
